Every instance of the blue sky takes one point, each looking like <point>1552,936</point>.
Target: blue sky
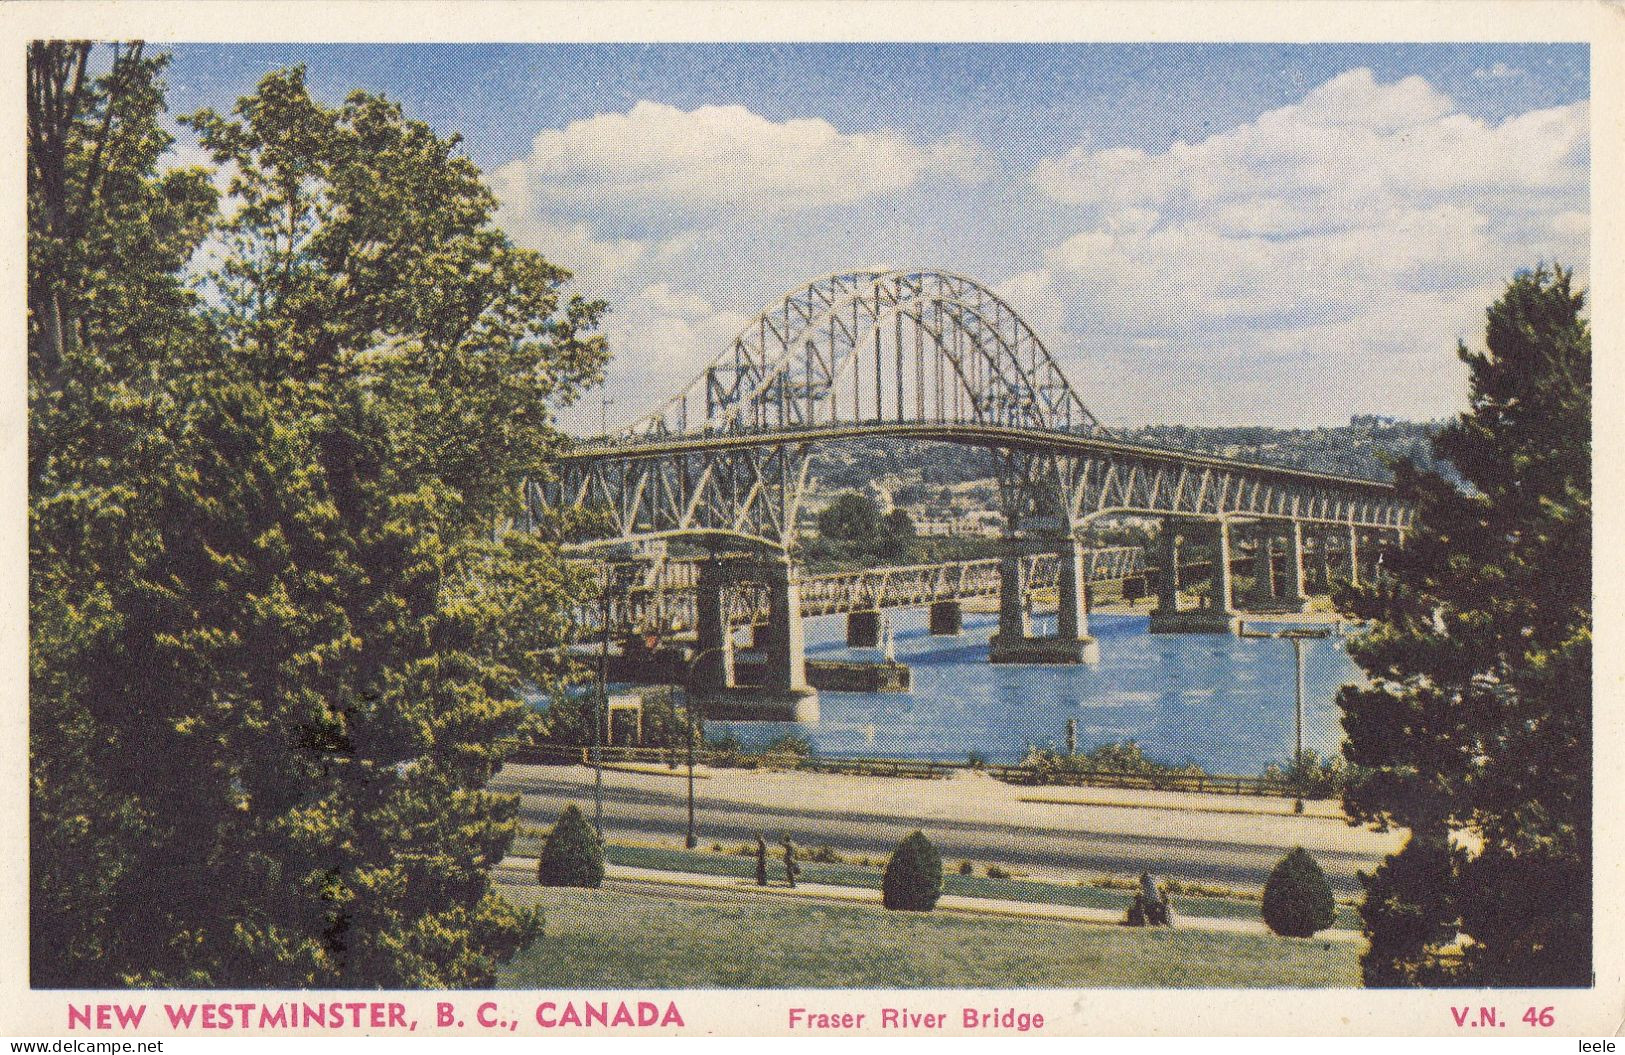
<point>1277,234</point>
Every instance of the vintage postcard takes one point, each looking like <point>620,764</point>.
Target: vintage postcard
<point>811,519</point>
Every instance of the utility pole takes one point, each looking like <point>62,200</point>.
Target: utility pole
<point>606,403</point>
<point>599,704</point>
<point>1297,755</point>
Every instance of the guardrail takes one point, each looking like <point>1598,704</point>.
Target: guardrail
<point>1208,783</point>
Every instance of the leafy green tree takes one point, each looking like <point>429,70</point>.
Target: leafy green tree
<point>275,638</point>
<point>851,517</point>
<point>572,854</point>
<point>111,438</point>
<point>1475,733</point>
<point>1297,899</point>
<point>913,878</point>
<point>896,535</point>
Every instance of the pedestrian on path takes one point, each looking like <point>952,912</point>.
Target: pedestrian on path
<point>791,869</point>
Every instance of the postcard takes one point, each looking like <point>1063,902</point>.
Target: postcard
<point>811,520</point>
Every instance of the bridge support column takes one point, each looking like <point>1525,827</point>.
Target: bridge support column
<point>714,662</point>
<point>863,630</point>
<point>1168,568</point>
<point>1014,642</point>
<point>785,673</point>
<point>947,619</point>
<point>1167,618</point>
<point>1354,555</point>
<point>1224,595</point>
<point>1294,593</point>
<point>1014,619</point>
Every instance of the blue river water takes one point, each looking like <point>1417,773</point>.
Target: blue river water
<point>1222,702</point>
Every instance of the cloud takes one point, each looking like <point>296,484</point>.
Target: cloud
<point>657,157</point>
<point>661,338</point>
<point>1368,224</point>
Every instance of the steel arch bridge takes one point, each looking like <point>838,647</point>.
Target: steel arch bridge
<point>909,354</point>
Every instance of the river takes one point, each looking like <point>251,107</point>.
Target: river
<point>1222,702</point>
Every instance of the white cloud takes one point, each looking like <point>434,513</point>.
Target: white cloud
<point>661,338</point>
<point>659,157</point>
<point>1367,224</point>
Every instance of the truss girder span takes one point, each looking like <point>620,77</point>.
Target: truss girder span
<point>898,346</point>
<point>665,597</point>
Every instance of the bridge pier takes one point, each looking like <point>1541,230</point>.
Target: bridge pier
<point>714,660</point>
<point>947,619</point>
<point>1014,642</point>
<point>1354,555</point>
<point>863,629</point>
<point>786,671</point>
<point>1217,614</point>
<point>1294,593</point>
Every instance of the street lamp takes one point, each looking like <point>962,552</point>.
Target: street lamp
<point>693,839</point>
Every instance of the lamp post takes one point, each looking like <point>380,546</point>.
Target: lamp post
<point>693,839</point>
<point>601,699</point>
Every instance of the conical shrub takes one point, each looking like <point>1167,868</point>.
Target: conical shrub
<point>913,879</point>
<point>1297,899</point>
<point>572,855</point>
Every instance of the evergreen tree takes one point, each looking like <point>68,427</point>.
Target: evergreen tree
<point>1297,899</point>
<point>913,876</point>
<point>273,640</point>
<point>1475,733</point>
<point>572,855</point>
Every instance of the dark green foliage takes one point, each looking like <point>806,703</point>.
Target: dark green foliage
<point>1478,717</point>
<point>852,530</point>
<point>572,855</point>
<point>1297,899</point>
<point>273,645</point>
<point>913,878</point>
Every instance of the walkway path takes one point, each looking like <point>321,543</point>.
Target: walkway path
<point>1065,833</point>
<point>522,870</point>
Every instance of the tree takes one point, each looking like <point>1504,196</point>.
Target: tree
<point>896,535</point>
<point>572,855</point>
<point>913,878</point>
<point>1297,899</point>
<point>275,638</point>
<point>1475,732</point>
<point>852,517</point>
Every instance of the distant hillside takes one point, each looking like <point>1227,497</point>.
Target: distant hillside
<point>1357,449</point>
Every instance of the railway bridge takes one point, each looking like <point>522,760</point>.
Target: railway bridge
<point>926,355</point>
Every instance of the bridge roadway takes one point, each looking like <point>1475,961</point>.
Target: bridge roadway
<point>665,595</point>
<point>970,817</point>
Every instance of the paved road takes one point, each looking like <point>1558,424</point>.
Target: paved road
<point>981,820</point>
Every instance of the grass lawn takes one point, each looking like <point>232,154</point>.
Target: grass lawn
<point>704,862</point>
<point>615,939</point>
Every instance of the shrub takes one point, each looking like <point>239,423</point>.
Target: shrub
<point>1297,898</point>
<point>995,872</point>
<point>965,868</point>
<point>913,877</point>
<point>824,854</point>
<point>572,855</point>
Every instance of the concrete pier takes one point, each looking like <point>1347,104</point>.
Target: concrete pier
<point>785,672</point>
<point>863,630</point>
<point>714,663</point>
<point>1014,642</point>
<point>947,619</point>
<point>1217,615</point>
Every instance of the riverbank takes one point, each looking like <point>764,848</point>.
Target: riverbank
<point>1080,834</point>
